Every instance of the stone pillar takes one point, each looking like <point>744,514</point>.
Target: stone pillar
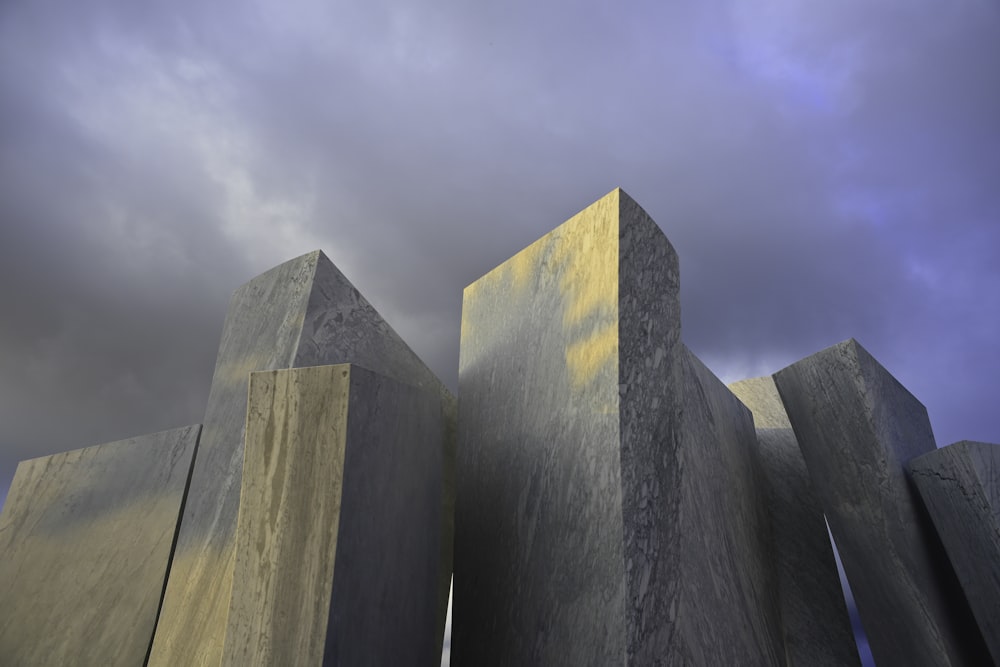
<point>338,538</point>
<point>609,508</point>
<point>85,546</point>
<point>960,487</point>
<point>857,426</point>
<point>814,619</point>
<point>301,313</point>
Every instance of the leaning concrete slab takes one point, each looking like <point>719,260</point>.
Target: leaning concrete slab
<point>815,624</point>
<point>609,509</point>
<point>857,426</point>
<point>301,313</point>
<point>85,542</point>
<point>338,538</point>
<point>960,487</point>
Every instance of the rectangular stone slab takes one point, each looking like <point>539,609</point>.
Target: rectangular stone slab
<point>608,502</point>
<point>301,313</point>
<point>338,537</point>
<point>857,426</point>
<point>815,623</point>
<point>85,543</point>
<point>960,487</point>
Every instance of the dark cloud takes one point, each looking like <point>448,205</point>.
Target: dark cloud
<point>824,172</point>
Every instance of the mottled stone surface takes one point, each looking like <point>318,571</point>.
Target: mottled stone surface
<point>815,623</point>
<point>608,502</point>
<point>857,426</point>
<point>960,487</point>
<point>85,542</point>
<point>338,539</point>
<point>301,313</point>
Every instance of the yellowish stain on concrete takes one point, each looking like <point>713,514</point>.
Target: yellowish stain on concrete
<point>294,458</point>
<point>583,253</point>
<point>586,356</point>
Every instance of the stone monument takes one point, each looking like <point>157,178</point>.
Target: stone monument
<point>85,545</point>
<point>609,506</point>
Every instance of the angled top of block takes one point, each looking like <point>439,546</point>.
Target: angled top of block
<point>761,397</point>
<point>609,265</point>
<point>980,458</point>
<point>614,210</point>
<point>881,393</point>
<point>303,312</point>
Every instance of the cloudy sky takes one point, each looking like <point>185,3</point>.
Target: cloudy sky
<point>825,170</point>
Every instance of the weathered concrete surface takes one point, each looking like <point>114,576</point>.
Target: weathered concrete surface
<point>815,623</point>
<point>85,542</point>
<point>960,487</point>
<point>301,313</point>
<point>338,540</point>
<point>857,427</point>
<point>609,509</point>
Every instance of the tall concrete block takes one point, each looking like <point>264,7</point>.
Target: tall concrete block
<point>857,426</point>
<point>960,487</point>
<point>815,623</point>
<point>301,313</point>
<point>609,508</point>
<point>85,543</point>
<point>337,541</point>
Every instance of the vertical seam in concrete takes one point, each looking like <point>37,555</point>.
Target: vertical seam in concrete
<point>173,544</point>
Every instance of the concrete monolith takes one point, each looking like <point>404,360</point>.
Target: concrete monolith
<point>85,546</point>
<point>814,619</point>
<point>301,313</point>
<point>609,507</point>
<point>338,539</point>
<point>857,427</point>
<point>960,487</point>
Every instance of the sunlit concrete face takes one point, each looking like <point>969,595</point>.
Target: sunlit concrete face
<point>85,540</point>
<point>960,487</point>
<point>338,536</point>
<point>814,620</point>
<point>857,427</point>
<point>590,439</point>
<point>301,313</point>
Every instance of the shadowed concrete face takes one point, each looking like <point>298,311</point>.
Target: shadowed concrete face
<point>960,486</point>
<point>339,526</point>
<point>301,313</point>
<point>85,540</point>
<point>814,619</point>
<point>608,507</point>
<point>857,427</point>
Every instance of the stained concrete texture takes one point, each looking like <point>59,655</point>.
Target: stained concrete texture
<point>609,502</point>
<point>960,487</point>
<point>815,623</point>
<point>85,542</point>
<point>857,427</point>
<point>339,528</point>
<point>301,313</point>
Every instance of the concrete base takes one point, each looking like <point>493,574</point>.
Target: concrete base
<point>85,543</point>
<point>301,313</point>
<point>960,487</point>
<point>338,538</point>
<point>815,623</point>
<point>857,426</point>
<point>609,509</point>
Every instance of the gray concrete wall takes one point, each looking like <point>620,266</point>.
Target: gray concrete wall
<point>857,427</point>
<point>960,487</point>
<point>609,506</point>
<point>814,619</point>
<point>85,543</point>
<point>338,538</point>
<point>301,313</point>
